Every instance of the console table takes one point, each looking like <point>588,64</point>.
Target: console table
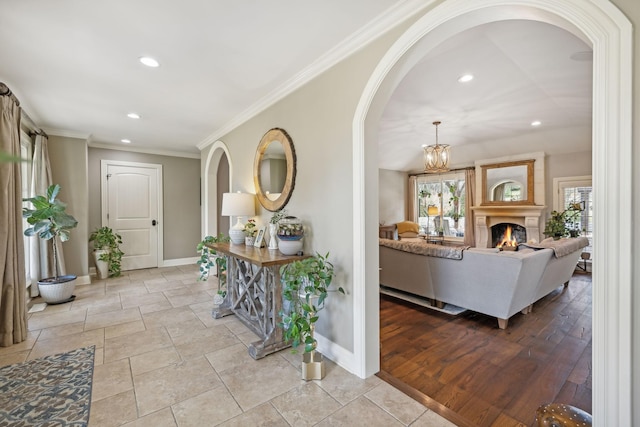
<point>254,293</point>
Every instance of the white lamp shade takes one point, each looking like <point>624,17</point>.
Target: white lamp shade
<point>238,204</point>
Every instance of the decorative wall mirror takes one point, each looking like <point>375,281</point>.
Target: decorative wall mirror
<point>274,169</point>
<point>509,183</point>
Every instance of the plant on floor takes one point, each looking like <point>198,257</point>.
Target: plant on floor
<point>209,258</point>
<point>108,242</point>
<point>305,286</point>
<point>49,220</point>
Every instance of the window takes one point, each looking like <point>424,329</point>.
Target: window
<point>26,152</point>
<point>440,201</point>
<point>576,190</point>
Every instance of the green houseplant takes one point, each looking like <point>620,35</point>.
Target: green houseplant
<point>107,252</point>
<point>565,223</point>
<point>209,258</point>
<point>49,220</point>
<point>305,285</point>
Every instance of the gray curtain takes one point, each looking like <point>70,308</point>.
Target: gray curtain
<point>470,198</point>
<point>13,310</point>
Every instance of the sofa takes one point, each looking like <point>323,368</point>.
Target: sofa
<point>489,281</point>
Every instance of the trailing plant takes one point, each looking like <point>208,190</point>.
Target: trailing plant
<point>104,238</point>
<point>49,220</point>
<point>305,286</point>
<point>209,258</point>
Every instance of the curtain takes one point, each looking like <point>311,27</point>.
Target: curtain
<point>41,250</point>
<point>470,197</point>
<point>13,309</point>
<point>412,209</point>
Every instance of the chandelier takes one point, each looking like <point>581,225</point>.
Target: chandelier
<point>436,157</point>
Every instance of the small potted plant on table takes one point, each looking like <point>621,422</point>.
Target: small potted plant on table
<point>305,287</point>
<point>50,221</point>
<point>106,252</point>
<point>250,231</point>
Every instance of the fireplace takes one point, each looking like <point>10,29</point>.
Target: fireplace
<point>507,234</point>
<point>526,217</point>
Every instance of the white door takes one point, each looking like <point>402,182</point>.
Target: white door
<point>131,201</point>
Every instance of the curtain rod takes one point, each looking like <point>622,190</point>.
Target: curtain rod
<point>450,170</point>
<point>33,128</point>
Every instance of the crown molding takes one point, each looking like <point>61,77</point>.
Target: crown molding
<point>356,41</point>
<point>66,133</point>
<point>134,149</point>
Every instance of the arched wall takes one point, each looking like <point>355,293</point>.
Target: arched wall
<point>209,189</point>
<point>610,33</point>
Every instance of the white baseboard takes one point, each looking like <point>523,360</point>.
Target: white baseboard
<point>179,261</point>
<point>338,354</point>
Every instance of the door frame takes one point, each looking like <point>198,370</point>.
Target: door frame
<point>104,164</point>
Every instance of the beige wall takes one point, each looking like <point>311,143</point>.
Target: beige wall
<point>181,197</point>
<point>392,193</point>
<point>68,157</point>
<point>318,117</point>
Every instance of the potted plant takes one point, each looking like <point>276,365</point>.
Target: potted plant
<point>250,231</point>
<point>107,253</point>
<point>305,287</point>
<point>565,223</point>
<point>209,258</point>
<point>49,221</point>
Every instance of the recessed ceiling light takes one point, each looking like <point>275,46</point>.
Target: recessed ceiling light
<point>149,62</point>
<point>126,141</point>
<point>465,78</point>
<point>133,115</point>
<point>536,123</point>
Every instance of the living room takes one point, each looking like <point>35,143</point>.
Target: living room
<point>336,193</point>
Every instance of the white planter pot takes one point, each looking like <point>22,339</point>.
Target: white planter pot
<point>289,247</point>
<point>57,291</point>
<point>249,241</point>
<point>102,267</point>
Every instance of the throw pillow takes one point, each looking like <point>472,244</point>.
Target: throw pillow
<point>405,226</point>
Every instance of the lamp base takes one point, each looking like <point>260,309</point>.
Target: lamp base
<point>236,236</point>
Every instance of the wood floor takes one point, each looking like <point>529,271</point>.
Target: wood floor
<point>475,374</point>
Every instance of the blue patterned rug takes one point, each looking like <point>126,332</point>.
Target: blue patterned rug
<point>52,391</point>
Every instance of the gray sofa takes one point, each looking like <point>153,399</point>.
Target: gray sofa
<point>492,282</point>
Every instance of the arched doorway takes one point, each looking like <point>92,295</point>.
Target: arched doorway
<point>610,33</point>
<point>217,180</point>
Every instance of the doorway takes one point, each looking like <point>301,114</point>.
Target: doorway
<point>611,35</point>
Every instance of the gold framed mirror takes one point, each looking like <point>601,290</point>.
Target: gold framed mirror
<point>274,169</point>
<point>509,183</point>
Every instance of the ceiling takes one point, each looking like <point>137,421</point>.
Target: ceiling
<point>74,66</point>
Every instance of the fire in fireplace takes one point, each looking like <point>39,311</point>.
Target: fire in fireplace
<point>508,235</point>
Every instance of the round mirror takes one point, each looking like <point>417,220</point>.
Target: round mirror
<point>274,169</point>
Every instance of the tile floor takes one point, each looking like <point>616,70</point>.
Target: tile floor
<point>162,360</point>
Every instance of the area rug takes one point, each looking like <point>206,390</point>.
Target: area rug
<point>50,391</point>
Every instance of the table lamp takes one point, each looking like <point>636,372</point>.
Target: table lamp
<point>239,205</point>
<point>431,211</point>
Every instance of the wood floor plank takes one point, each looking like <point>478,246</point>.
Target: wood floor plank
<point>488,376</point>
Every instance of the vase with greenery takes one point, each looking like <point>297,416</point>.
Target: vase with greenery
<point>250,231</point>
<point>49,221</point>
<point>106,245</point>
<point>209,258</point>
<point>273,227</point>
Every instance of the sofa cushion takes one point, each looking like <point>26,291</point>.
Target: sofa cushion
<point>405,226</point>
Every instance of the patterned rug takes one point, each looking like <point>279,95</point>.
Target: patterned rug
<point>51,391</point>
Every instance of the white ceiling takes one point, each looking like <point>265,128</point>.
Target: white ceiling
<point>74,66</point>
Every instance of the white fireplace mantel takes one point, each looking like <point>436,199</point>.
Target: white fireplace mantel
<point>528,216</point>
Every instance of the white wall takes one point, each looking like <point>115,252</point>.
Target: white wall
<point>392,196</point>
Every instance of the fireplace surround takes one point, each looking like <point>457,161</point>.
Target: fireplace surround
<point>487,216</point>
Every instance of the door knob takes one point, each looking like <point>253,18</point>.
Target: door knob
<point>154,222</point>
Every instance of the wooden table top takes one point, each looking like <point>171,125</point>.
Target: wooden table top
<point>262,257</point>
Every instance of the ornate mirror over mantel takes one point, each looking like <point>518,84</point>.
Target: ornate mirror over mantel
<point>274,169</point>
<point>509,183</point>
